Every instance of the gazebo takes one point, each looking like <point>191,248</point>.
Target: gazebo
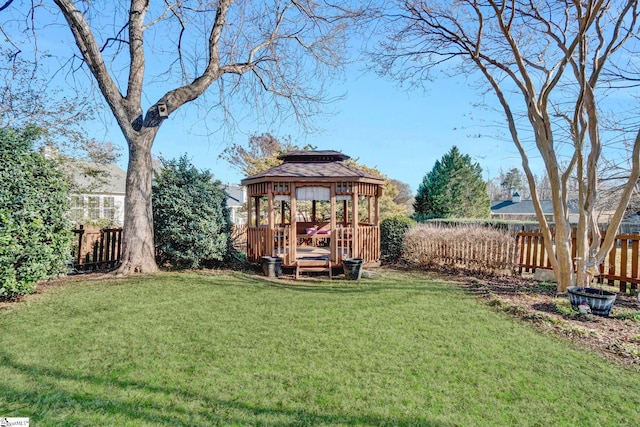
<point>313,206</point>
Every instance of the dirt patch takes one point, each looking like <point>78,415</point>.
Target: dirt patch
<point>616,337</point>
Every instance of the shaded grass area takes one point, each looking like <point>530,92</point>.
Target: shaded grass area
<point>233,349</point>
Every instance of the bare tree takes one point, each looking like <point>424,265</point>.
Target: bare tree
<point>274,53</point>
<point>261,153</point>
<point>404,196</point>
<point>544,61</point>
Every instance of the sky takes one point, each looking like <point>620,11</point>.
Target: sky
<point>401,133</point>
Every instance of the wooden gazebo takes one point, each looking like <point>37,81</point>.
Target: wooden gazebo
<point>314,206</point>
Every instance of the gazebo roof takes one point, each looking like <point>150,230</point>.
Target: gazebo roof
<point>313,156</point>
<point>325,165</point>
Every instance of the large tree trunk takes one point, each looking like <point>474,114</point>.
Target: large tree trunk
<point>138,250</point>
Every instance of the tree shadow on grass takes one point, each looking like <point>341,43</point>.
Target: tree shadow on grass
<point>55,403</point>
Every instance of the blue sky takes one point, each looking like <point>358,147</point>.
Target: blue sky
<point>401,133</point>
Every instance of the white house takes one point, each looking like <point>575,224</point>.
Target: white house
<point>236,197</point>
<point>98,193</point>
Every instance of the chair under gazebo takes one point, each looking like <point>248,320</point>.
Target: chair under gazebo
<point>314,207</point>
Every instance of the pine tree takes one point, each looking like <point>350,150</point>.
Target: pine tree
<point>453,189</point>
<point>512,182</point>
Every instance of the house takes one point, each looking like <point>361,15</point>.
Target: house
<point>236,197</point>
<point>522,210</point>
<point>97,193</point>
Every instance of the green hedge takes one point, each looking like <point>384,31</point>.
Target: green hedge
<point>35,232</point>
<point>392,231</point>
<point>191,220</point>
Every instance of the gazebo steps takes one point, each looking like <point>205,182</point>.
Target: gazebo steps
<point>313,266</point>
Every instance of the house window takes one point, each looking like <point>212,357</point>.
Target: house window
<point>77,207</point>
<point>109,208</point>
<point>93,206</point>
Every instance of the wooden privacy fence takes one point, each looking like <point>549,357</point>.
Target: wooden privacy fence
<point>96,249</point>
<point>621,264</point>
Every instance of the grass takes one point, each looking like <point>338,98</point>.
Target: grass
<point>233,349</point>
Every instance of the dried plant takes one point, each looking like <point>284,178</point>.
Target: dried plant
<point>470,248</point>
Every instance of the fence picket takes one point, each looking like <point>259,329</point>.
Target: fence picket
<point>618,268</point>
<point>97,249</point>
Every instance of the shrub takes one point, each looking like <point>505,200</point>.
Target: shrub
<point>191,219</point>
<point>392,231</point>
<point>470,248</point>
<point>35,232</point>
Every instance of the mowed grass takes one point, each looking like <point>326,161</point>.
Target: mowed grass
<point>233,349</point>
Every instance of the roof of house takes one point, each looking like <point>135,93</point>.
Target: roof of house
<point>97,178</point>
<point>525,207</point>
<point>306,165</point>
<point>235,195</point>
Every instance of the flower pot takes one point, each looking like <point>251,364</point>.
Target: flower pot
<point>271,266</point>
<point>600,301</point>
<point>352,268</point>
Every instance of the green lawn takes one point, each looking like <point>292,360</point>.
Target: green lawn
<point>234,349</point>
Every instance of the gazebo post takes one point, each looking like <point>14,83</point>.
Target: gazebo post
<point>377,210</point>
<point>354,221</point>
<point>313,211</point>
<point>293,233</point>
<point>249,212</point>
<point>333,241</point>
<point>271,222</point>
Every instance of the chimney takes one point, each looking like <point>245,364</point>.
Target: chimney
<point>49,151</point>
<point>516,198</point>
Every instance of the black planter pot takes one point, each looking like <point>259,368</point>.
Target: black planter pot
<point>600,301</point>
<point>271,266</point>
<point>352,268</point>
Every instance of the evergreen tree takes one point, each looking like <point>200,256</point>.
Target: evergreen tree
<point>512,182</point>
<point>192,226</point>
<point>453,189</point>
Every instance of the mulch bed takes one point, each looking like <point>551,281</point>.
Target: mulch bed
<point>616,337</point>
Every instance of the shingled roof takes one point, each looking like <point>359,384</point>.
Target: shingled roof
<point>525,207</point>
<point>302,165</point>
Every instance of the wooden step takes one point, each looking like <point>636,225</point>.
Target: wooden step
<point>313,265</point>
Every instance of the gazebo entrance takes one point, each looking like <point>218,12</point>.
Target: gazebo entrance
<point>314,206</point>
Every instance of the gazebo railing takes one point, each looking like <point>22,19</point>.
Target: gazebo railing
<point>363,242</point>
<point>368,242</point>
<point>259,239</point>
<point>344,243</point>
<point>256,243</point>
<point>282,243</point>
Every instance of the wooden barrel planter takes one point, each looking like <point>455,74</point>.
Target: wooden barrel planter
<point>599,300</point>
